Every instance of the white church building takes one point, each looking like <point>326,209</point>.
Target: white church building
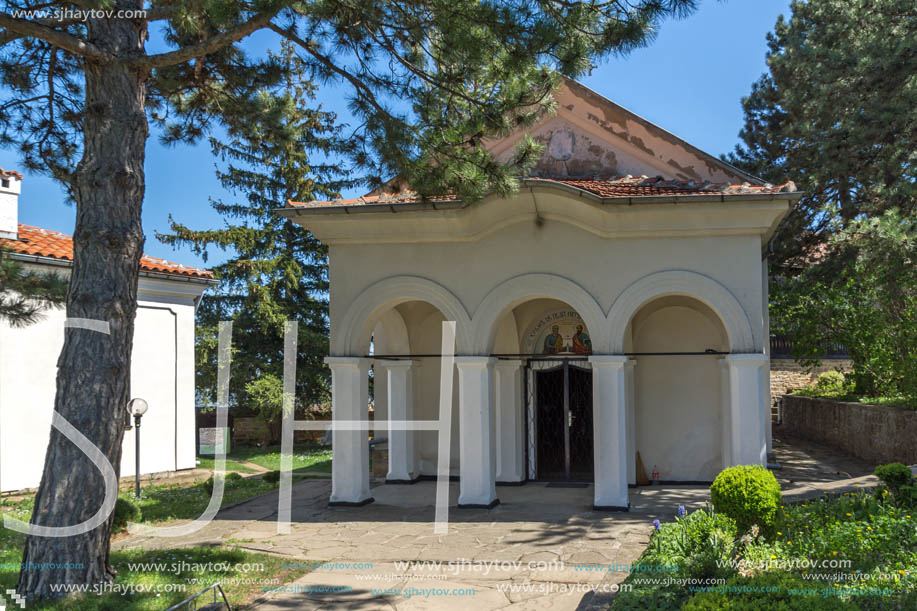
<point>162,363</point>
<point>614,307</point>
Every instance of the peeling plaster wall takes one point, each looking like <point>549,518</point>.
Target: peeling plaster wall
<point>609,139</point>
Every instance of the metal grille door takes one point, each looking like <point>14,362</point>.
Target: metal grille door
<point>559,406</point>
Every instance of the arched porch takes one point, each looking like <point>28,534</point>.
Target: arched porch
<point>690,417</point>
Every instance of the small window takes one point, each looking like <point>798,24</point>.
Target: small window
<point>6,183</point>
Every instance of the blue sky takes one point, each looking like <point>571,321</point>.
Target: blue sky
<point>690,81</point>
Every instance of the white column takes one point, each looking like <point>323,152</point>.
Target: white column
<point>748,439</point>
<point>726,414</point>
<point>631,423</point>
<point>609,413</point>
<point>509,420</point>
<point>766,389</point>
<point>477,470</point>
<point>350,460</point>
<point>399,387</point>
<point>766,418</point>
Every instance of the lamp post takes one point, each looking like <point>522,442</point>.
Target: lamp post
<point>137,408</point>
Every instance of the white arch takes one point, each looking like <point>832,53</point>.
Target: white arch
<point>390,335</point>
<point>514,291</point>
<point>689,284</point>
<point>351,335</point>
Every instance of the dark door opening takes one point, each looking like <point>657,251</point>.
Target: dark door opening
<point>564,412</point>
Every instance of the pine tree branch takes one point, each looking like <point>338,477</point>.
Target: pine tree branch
<point>331,66</point>
<point>211,45</point>
<point>67,42</point>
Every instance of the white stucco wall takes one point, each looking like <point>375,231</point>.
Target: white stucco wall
<point>162,372</point>
<point>677,277</point>
<point>603,267</point>
<point>679,406</point>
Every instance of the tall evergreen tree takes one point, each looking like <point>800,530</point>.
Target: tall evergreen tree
<point>24,294</point>
<point>79,92</point>
<point>277,149</point>
<point>836,113</point>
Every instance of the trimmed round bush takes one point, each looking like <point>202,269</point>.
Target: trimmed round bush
<point>749,494</point>
<point>894,475</point>
<point>830,380</point>
<point>272,477</point>
<point>126,510</point>
<point>232,476</point>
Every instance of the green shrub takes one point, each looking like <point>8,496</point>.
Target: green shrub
<point>126,510</point>
<point>771,590</point>
<point>894,475</point>
<point>907,496</point>
<point>645,596</point>
<point>707,540</point>
<point>232,476</point>
<point>272,477</point>
<point>830,380</point>
<point>749,494</point>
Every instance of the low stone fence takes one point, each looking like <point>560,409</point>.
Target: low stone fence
<point>874,433</point>
<point>788,375</point>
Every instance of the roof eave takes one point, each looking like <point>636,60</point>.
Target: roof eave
<point>433,205</point>
<point>42,260</point>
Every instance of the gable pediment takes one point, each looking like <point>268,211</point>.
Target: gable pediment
<point>591,135</point>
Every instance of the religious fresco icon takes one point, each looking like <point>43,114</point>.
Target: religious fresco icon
<point>560,332</point>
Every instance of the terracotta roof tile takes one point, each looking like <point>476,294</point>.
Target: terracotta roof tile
<point>603,186</point>
<point>8,173</point>
<point>55,245</point>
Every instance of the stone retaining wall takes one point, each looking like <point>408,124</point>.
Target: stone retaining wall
<point>874,433</point>
<point>788,375</point>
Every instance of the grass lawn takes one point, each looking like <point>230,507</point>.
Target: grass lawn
<point>178,501</point>
<point>203,566</point>
<point>164,502</point>
<point>181,573</point>
<point>306,457</point>
<point>231,465</point>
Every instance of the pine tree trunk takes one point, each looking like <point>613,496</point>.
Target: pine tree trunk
<point>93,377</point>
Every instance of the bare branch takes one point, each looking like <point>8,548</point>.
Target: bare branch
<point>65,41</point>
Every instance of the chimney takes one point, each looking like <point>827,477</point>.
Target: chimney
<point>10,185</point>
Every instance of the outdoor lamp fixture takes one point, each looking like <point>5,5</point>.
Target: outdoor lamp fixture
<point>137,408</point>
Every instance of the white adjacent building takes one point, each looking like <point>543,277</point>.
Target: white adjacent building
<point>615,306</point>
<point>162,367</point>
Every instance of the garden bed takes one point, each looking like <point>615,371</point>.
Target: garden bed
<point>857,550</point>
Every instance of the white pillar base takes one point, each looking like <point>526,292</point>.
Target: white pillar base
<point>477,481</point>
<point>609,413</point>
<point>350,459</point>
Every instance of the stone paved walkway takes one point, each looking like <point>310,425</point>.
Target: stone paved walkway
<point>533,524</point>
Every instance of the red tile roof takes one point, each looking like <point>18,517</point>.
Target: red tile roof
<point>8,173</point>
<point>44,243</point>
<point>603,186</point>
